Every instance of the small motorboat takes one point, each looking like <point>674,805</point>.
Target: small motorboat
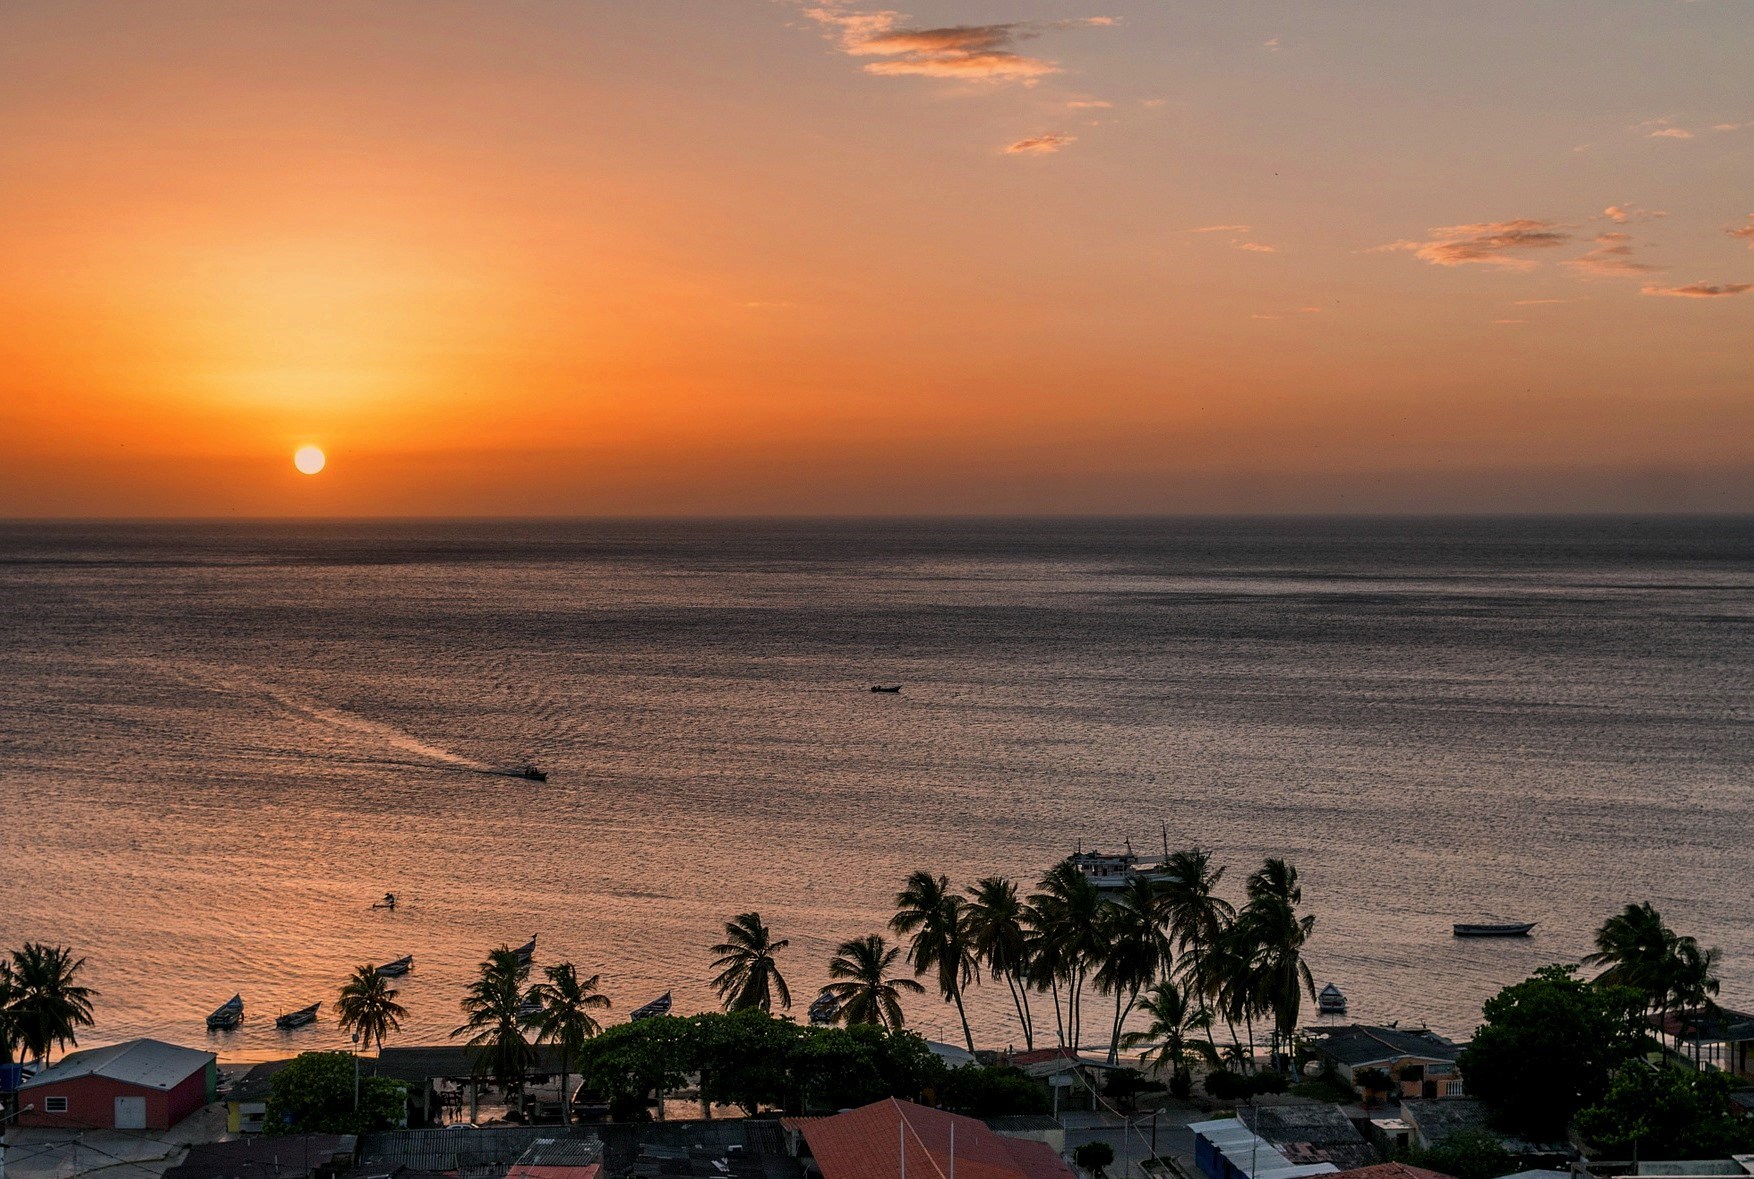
<point>297,1019</point>
<point>529,1007</point>
<point>529,770</point>
<point>658,1006</point>
<point>527,952</point>
<point>389,902</point>
<point>227,1015</point>
<point>824,1009</point>
<point>882,688</point>
<point>1505,929</point>
<point>1331,1001</point>
<point>397,968</point>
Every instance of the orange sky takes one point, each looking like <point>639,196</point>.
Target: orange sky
<point>574,257</point>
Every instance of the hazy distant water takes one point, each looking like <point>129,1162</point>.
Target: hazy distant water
<point>221,742</point>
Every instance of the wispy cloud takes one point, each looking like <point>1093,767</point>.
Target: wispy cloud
<point>1730,126</point>
<point>1541,302</point>
<point>1672,133</point>
<point>1702,290</point>
<point>1622,214</point>
<point>1255,247</point>
<point>1612,258</point>
<point>973,52</point>
<point>1510,321</point>
<point>1039,145</point>
<point>1488,243</point>
<point>1222,229</point>
<point>1090,104</point>
<point>1745,232</point>
<point>1272,43</point>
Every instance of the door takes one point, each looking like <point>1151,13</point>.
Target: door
<point>130,1113</point>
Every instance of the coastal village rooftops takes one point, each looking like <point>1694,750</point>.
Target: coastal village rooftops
<point>1360,1045</point>
<point>1312,1134</point>
<point>1434,1120</point>
<point>256,1084</point>
<point>869,1143</point>
<point>291,1157</point>
<point>1045,1062</point>
<point>464,1152</point>
<point>1225,1148</point>
<point>1392,1171</point>
<point>151,1064</point>
<point>570,1157</point>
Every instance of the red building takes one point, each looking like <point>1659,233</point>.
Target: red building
<point>140,1085</point>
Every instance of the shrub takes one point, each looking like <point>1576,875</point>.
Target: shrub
<point>1094,1157</point>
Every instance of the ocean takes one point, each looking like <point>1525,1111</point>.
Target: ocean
<point>223,741</point>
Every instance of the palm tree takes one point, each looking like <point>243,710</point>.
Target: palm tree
<point>1175,1028</point>
<point>368,1007</point>
<point>1065,941</point>
<point>1233,982</point>
<point>926,908</point>
<point>1636,950</point>
<point>48,1005</point>
<point>1134,949</point>
<point>866,993</point>
<point>1197,917</point>
<point>748,976</point>
<point>8,1026</point>
<point>564,1019</point>
<point>1279,935</point>
<point>494,1004</point>
<point>993,920</point>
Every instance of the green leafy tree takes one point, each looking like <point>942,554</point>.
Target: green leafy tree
<point>1548,1048</point>
<point>864,990</point>
<point>1667,1113</point>
<point>744,1057</point>
<point>315,1095</point>
<point>8,1025</point>
<point>842,1068</point>
<point>994,1091</point>
<point>367,1007</point>
<point>1094,1157</point>
<point>994,920</point>
<point>1466,1154</point>
<point>631,1061</point>
<point>926,909</point>
<point>563,1018</point>
<point>48,1004</point>
<point>497,1021</point>
<point>748,975</point>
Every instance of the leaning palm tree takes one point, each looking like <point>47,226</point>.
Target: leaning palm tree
<point>864,991</point>
<point>48,1004</point>
<point>748,975</point>
<point>564,1018</point>
<point>368,1008</point>
<point>497,1019</point>
<point>927,909</point>
<point>1279,934</point>
<point>8,1026</point>
<point>993,920</point>
<point>1134,950</point>
<point>1636,950</point>
<point>1197,918</point>
<point>1175,1030</point>
<point>1066,941</point>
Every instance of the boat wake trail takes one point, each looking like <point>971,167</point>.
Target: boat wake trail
<point>240,684</point>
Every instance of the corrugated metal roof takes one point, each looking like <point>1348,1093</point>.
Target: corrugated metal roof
<point>868,1143</point>
<point>151,1064</point>
<point>1253,1155</point>
<point>455,1148</point>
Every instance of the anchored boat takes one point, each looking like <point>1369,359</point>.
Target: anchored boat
<point>658,1006</point>
<point>527,952</point>
<point>299,1018</point>
<point>397,968</point>
<point>227,1015</point>
<point>1331,1001</point>
<point>1505,929</point>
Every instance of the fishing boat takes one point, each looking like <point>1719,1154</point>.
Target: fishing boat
<point>1331,1001</point>
<point>529,1007</point>
<point>389,902</point>
<point>527,952</point>
<point>1111,870</point>
<point>1504,929</point>
<point>529,770</point>
<point>882,688</point>
<point>397,968</point>
<point>658,1006</point>
<point>299,1018</point>
<point>825,1008</point>
<point>227,1015</point>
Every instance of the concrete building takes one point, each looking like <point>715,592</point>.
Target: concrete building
<point>139,1085</point>
<point>1420,1063</point>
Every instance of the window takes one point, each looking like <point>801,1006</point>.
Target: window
<point>54,1105</point>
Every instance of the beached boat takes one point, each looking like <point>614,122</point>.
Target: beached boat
<point>658,1006</point>
<point>1505,929</point>
<point>1331,1001</point>
<point>397,968</point>
<point>882,688</point>
<point>299,1018</point>
<point>227,1015</point>
<point>529,770</point>
<point>824,1009</point>
<point>527,952</point>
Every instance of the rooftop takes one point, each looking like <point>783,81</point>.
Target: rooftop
<point>1393,1171</point>
<point>1254,1156</point>
<point>151,1064</point>
<point>873,1141</point>
<point>1361,1044</point>
<point>291,1157</point>
<point>1438,1118</point>
<point>255,1084</point>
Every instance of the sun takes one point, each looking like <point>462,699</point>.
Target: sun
<point>309,459</point>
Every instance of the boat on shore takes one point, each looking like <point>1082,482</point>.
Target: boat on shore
<point>297,1019</point>
<point>397,968</point>
<point>1500,929</point>
<point>227,1015</point>
<point>658,1006</point>
<point>1331,1001</point>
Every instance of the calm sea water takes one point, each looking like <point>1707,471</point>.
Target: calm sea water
<point>221,742</point>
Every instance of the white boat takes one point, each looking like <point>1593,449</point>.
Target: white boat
<point>1330,1001</point>
<point>1106,870</point>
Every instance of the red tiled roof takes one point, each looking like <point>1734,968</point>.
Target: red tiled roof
<point>1389,1171</point>
<point>544,1171</point>
<point>868,1143</point>
<point>1040,1055</point>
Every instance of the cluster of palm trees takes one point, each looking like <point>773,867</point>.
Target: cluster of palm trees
<point>1165,944</point>
<point>507,1016</point>
<point>1671,972</point>
<point>42,1002</point>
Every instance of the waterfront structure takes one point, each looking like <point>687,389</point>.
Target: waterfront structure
<point>1721,1039</point>
<point>1075,1079</point>
<point>1421,1062</point>
<point>246,1100</point>
<point>137,1085</point>
<point>892,1137</point>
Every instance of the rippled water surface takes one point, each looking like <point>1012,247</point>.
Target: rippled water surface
<point>221,742</point>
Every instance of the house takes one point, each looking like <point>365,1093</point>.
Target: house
<point>568,1157</point>
<point>890,1137</point>
<point>139,1085</point>
<point>246,1100</point>
<point>296,1156</point>
<point>1312,1134</point>
<point>1225,1148</point>
<point>1432,1121</point>
<point>463,1153</point>
<point>442,1079</point>
<point>1421,1063</point>
<point>1721,1039</point>
<point>1393,1171</point>
<point>1075,1080</point>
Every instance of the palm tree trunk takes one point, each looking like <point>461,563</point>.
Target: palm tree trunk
<point>1059,1019</point>
<point>1248,1019</point>
<point>1199,981</point>
<point>967,1035</point>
